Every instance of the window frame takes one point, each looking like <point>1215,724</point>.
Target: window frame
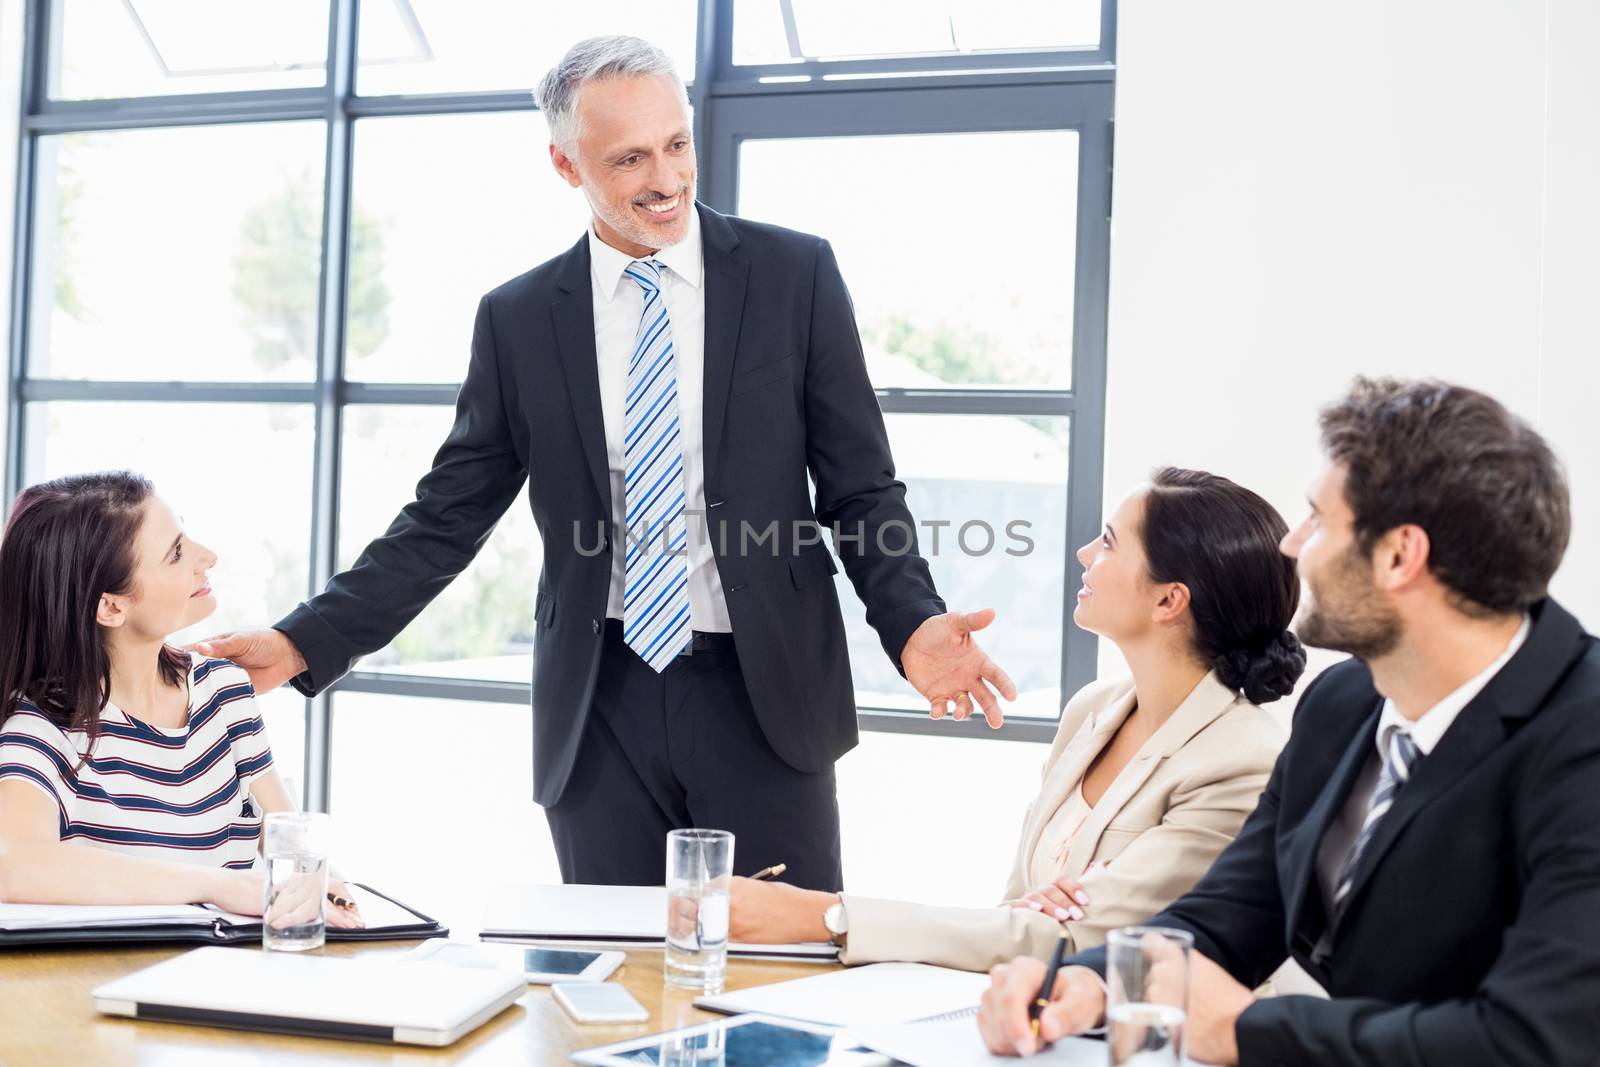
<point>983,92</point>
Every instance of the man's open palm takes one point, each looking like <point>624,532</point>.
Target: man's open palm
<point>945,664</point>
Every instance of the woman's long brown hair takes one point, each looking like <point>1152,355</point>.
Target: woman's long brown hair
<point>68,542</point>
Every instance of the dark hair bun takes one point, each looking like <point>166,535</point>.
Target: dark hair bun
<point>1266,675</point>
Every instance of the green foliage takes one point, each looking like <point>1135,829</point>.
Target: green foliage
<point>951,354</point>
<point>486,612</point>
<point>278,257</point>
<point>956,357</point>
<point>69,192</point>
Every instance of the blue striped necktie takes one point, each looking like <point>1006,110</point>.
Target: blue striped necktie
<point>1400,755</point>
<point>655,598</point>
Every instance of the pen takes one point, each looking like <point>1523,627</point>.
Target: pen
<point>341,902</point>
<point>1042,1001</point>
<point>769,872</point>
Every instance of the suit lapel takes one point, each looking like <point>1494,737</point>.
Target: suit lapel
<point>573,314</point>
<point>1199,709</point>
<point>1471,737</point>
<point>1516,692</point>
<point>1302,857</point>
<point>1068,769</point>
<point>727,276</point>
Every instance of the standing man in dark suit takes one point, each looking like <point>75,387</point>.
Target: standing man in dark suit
<point>664,388</point>
<point>1427,846</point>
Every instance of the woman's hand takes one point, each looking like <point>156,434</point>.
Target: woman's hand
<point>241,892</point>
<point>342,917</point>
<point>1064,900</point>
<point>772,913</point>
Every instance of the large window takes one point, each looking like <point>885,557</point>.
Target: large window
<point>252,242</point>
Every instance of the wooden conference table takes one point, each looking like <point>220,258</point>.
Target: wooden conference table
<point>47,1017</point>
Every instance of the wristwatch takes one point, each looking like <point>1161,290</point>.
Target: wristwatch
<point>835,920</point>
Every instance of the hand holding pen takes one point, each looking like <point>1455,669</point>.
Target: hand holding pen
<point>1042,1000</point>
<point>1029,1005</point>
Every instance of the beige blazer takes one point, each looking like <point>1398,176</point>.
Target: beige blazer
<point>1164,818</point>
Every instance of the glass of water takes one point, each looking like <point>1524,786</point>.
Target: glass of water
<point>699,876</point>
<point>296,855</point>
<point>1147,1003</point>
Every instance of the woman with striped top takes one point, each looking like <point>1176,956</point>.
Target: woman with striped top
<point>130,772</point>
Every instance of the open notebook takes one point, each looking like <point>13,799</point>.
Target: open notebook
<point>614,916</point>
<point>43,924</point>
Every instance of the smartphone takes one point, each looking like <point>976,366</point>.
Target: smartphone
<point>598,1002</point>
<point>540,966</point>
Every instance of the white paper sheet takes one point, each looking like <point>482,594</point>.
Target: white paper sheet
<point>880,993</point>
<point>957,1043</point>
<point>19,917</point>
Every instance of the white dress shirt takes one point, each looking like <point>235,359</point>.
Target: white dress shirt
<point>618,303</point>
<point>1425,733</point>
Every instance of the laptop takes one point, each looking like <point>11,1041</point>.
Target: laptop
<point>382,999</point>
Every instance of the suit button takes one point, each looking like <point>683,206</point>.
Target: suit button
<point>595,623</point>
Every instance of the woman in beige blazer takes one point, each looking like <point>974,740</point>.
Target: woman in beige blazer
<point>1150,777</point>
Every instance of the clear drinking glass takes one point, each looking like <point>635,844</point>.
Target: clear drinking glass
<point>699,877</point>
<point>1148,1002</point>
<point>296,855</point>
<point>708,1049</point>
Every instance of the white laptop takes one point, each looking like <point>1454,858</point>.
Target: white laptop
<point>382,998</point>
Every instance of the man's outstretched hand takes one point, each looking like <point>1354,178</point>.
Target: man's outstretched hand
<point>944,663</point>
<point>268,656</point>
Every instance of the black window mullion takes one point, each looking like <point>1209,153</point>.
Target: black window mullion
<point>997,62</point>
<point>199,109</point>
<point>342,33</point>
<point>35,43</point>
<point>1086,444</point>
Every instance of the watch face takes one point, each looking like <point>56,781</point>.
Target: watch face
<point>833,918</point>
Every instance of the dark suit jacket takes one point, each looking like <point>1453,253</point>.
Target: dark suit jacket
<point>1472,935</point>
<point>786,393</point>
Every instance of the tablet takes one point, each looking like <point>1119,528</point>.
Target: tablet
<point>742,1041</point>
<point>540,966</point>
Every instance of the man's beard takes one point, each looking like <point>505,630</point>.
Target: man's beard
<point>639,232</point>
<point>1345,614</point>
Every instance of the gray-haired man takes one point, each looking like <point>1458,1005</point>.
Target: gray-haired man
<point>665,387</point>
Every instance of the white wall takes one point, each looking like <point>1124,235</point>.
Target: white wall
<point>1304,192</point>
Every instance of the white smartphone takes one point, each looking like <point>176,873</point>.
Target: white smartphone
<point>540,966</point>
<point>598,1002</point>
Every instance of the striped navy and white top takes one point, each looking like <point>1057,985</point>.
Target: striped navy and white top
<point>179,793</point>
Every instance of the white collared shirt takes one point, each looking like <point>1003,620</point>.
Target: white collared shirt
<point>1425,733</point>
<point>618,303</point>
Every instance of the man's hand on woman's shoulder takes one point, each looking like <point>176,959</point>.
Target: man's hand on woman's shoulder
<point>268,656</point>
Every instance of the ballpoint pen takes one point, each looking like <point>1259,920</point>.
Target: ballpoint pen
<point>1042,1001</point>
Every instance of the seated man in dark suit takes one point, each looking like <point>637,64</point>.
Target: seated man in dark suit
<point>1427,847</point>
